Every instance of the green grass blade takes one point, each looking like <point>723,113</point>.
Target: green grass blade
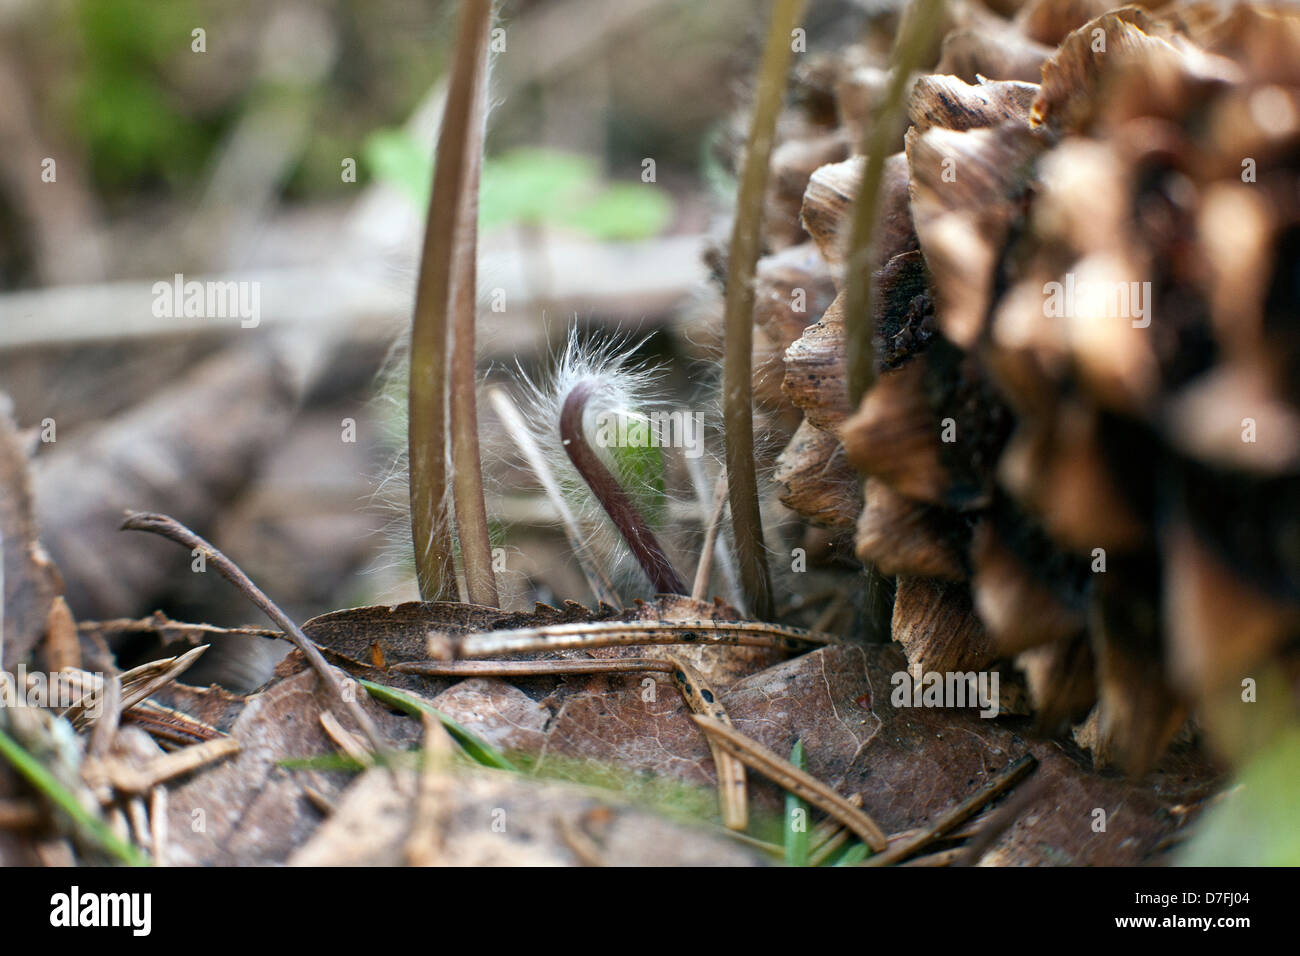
<point>853,855</point>
<point>44,781</point>
<point>478,749</point>
<point>796,817</point>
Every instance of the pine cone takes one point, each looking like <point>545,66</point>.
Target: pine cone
<point>1082,447</point>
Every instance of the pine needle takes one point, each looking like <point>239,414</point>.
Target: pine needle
<point>757,757</point>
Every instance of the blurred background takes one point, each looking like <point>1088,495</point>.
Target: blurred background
<point>286,145</point>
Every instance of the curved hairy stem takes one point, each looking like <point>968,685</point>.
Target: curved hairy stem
<point>629,522</point>
<point>737,372</point>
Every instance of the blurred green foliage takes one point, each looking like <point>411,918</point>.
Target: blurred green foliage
<point>529,185</point>
<point>1254,824</point>
<point>133,127</point>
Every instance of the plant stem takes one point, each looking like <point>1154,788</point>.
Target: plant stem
<point>641,541</point>
<point>859,325</point>
<point>427,395</point>
<point>467,467</point>
<point>737,373</point>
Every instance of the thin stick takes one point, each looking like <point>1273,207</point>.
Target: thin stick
<point>771,849</point>
<point>1000,819</point>
<point>136,689</point>
<point>625,665</point>
<point>345,740</point>
<point>169,725</point>
<point>556,637</point>
<point>704,570</point>
<point>957,815</point>
<point>601,588</point>
<point>581,845</point>
<point>757,757</point>
<point>135,685</point>
<point>427,393</point>
<point>62,645</point>
<point>702,700</point>
<point>101,737</point>
<point>137,816</point>
<point>130,780</point>
<point>833,841</point>
<point>737,377</point>
<point>158,824</point>
<point>173,530</point>
<point>467,465</point>
<point>829,836</point>
<point>952,857</point>
<point>859,326</point>
<point>424,844</point>
<point>19,815</point>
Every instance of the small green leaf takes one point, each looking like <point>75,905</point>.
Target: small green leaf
<point>796,817</point>
<point>478,749</point>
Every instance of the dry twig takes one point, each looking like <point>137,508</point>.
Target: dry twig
<point>173,530</point>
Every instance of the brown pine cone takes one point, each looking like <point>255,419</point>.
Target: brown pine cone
<point>1082,446</point>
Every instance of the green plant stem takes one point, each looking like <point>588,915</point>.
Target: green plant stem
<point>859,327</point>
<point>467,466</point>
<point>427,395</point>
<point>737,372</point>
